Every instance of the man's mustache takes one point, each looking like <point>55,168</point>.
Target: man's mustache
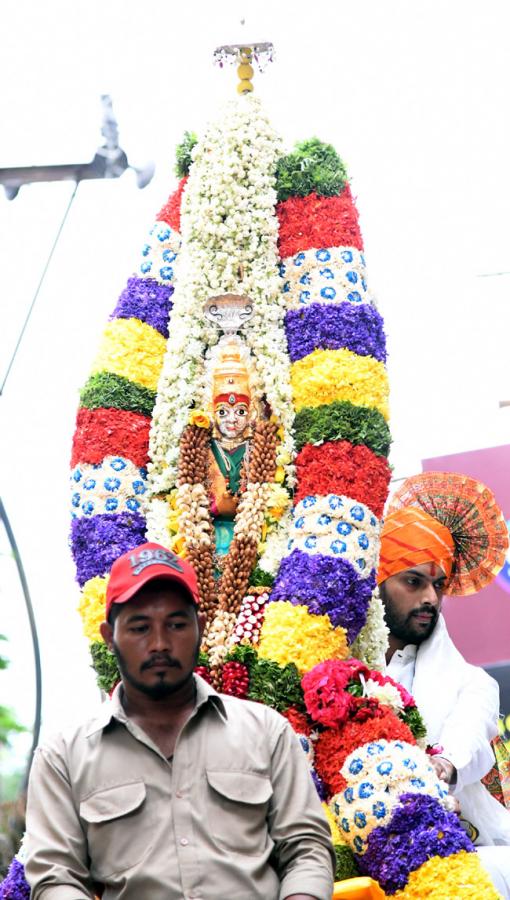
<point>162,660</point>
<point>425,610</point>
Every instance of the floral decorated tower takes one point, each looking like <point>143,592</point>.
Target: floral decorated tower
<point>236,413</point>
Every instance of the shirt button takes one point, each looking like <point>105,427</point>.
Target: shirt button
<point>184,842</point>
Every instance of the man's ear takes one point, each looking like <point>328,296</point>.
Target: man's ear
<point>107,634</point>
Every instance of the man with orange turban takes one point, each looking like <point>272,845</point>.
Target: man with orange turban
<point>444,534</point>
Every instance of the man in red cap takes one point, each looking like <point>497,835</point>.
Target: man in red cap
<point>173,791</point>
<point>419,563</point>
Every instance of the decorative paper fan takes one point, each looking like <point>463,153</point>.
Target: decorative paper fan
<point>470,512</point>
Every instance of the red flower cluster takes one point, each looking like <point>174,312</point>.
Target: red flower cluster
<point>171,211</point>
<point>324,686</point>
<point>298,720</point>
<point>110,432</point>
<point>235,679</point>
<point>334,745</point>
<point>315,221</point>
<point>204,673</point>
<point>338,467</point>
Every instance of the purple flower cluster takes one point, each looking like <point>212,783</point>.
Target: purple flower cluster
<point>145,299</point>
<point>98,541</point>
<point>14,886</point>
<point>328,586</point>
<point>419,829</point>
<point>335,326</point>
<point>319,786</point>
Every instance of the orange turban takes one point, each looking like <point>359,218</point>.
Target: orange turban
<point>410,537</point>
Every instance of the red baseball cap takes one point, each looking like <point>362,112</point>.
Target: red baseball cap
<point>137,567</point>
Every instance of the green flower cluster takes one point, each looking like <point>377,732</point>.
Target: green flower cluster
<point>183,151</point>
<point>345,863</point>
<point>312,167</point>
<point>413,719</point>
<point>108,391</point>
<point>342,421</point>
<point>260,578</point>
<point>105,665</point>
<point>276,686</point>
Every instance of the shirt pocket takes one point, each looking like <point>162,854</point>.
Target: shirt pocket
<point>117,827</point>
<point>238,804</point>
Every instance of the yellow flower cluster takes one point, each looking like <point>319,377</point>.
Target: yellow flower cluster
<point>92,605</point>
<point>290,634</point>
<point>336,836</point>
<point>199,418</point>
<point>327,375</point>
<point>442,878</point>
<point>132,349</point>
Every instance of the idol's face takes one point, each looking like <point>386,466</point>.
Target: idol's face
<point>232,419</point>
<point>412,601</point>
<point>156,639</point>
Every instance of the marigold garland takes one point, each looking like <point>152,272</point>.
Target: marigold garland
<point>110,432</point>
<point>443,878</point>
<point>314,221</point>
<point>339,468</point>
<point>131,349</point>
<point>328,375</point>
<point>290,634</point>
<point>92,606</point>
<point>342,421</point>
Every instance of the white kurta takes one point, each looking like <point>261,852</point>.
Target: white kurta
<point>459,703</point>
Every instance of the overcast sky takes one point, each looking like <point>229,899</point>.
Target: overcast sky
<point>414,95</point>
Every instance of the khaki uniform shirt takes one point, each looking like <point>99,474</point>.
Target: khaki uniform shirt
<point>235,816</point>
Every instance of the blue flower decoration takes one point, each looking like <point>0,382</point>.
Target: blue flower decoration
<point>352,277</point>
<point>349,795</point>
<point>311,542</point>
<point>363,284</point>
<point>304,296</point>
<point>358,844</point>
<point>379,809</point>
<point>304,742</point>
<point>345,824</point>
<point>118,464</point>
<point>338,546</point>
<point>77,474</point>
<point>89,484</point>
<point>281,269</point>
<point>299,523</point>
<point>366,789</point>
<point>311,500</point>
<point>346,255</point>
<point>384,768</point>
<point>328,293</point>
<point>169,256</point>
<point>335,502</point>
<point>323,255</point>
<point>358,513</point>
<point>112,484</point>
<point>146,250</point>
<point>354,297</point>
<point>145,267</point>
<point>133,504</point>
<point>324,519</point>
<point>344,528</point>
<point>361,564</point>
<point>410,764</point>
<point>305,279</point>
<point>167,273</point>
<point>362,258</point>
<point>360,819</point>
<point>363,541</point>
<point>76,499</point>
<point>139,487</point>
<point>374,748</point>
<point>286,287</point>
<point>373,520</point>
<point>417,782</point>
<point>111,504</point>
<point>299,259</point>
<point>163,234</point>
<point>355,765</point>
<point>88,508</point>
<point>327,273</point>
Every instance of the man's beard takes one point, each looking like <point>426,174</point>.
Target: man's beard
<point>155,691</point>
<point>404,626</point>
